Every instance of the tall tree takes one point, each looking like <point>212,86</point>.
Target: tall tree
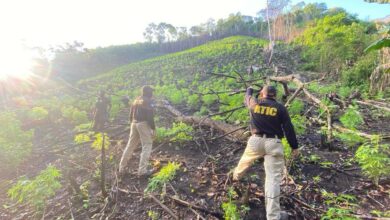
<point>272,10</point>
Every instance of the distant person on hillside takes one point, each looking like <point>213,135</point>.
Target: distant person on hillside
<point>268,121</point>
<point>101,111</point>
<point>142,129</point>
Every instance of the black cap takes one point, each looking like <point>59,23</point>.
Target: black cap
<point>270,91</point>
<point>147,91</point>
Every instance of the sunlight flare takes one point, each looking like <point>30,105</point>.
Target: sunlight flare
<point>15,62</point>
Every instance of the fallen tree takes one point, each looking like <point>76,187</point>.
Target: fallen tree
<point>236,133</point>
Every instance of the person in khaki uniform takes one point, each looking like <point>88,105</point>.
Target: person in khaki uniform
<point>142,130</point>
<point>269,120</point>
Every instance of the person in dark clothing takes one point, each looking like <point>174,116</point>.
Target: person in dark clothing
<point>101,111</point>
<point>142,129</point>
<point>269,122</point>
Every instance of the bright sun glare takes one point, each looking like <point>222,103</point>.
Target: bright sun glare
<point>15,62</point>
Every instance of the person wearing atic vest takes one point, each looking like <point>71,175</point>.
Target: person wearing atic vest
<point>142,130</point>
<point>269,122</point>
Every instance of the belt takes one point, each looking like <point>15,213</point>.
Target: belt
<point>266,136</point>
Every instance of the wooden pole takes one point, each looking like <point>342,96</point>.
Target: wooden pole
<point>102,171</point>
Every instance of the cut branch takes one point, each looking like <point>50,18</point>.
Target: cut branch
<point>182,202</point>
<point>228,111</point>
<point>164,207</point>
<point>373,105</point>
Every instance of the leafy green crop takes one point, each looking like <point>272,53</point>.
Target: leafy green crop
<point>166,174</point>
<point>15,144</point>
<point>38,113</point>
<point>374,159</point>
<point>74,115</point>
<point>351,118</point>
<point>230,209</point>
<point>179,132</point>
<point>35,192</point>
<point>296,107</point>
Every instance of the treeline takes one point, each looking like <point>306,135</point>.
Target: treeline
<point>73,61</point>
<point>330,43</point>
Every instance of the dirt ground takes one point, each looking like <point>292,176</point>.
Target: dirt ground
<point>202,179</point>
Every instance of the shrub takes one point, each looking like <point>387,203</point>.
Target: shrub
<point>82,138</point>
<point>35,192</point>
<point>38,113</point>
<point>286,149</point>
<point>179,132</point>
<point>209,99</point>
<point>74,115</point>
<point>296,107</point>
<point>97,143</point>
<point>374,159</point>
<point>360,72</point>
<point>299,123</point>
<point>341,206</point>
<point>230,209</point>
<point>15,144</point>
<point>193,101</point>
<point>83,127</point>
<point>351,118</point>
<point>349,138</point>
<point>166,174</point>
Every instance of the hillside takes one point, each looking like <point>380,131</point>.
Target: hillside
<point>205,84</point>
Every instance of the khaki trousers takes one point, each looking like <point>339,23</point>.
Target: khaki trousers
<point>272,151</point>
<point>138,132</point>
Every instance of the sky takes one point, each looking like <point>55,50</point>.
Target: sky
<point>114,22</point>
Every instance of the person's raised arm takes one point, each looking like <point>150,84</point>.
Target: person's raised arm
<point>249,100</point>
<point>289,131</point>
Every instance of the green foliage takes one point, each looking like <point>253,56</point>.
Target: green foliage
<point>15,144</point>
<point>193,101</point>
<point>179,132</point>
<point>296,107</point>
<point>349,138</point>
<point>209,99</point>
<point>374,159</point>
<point>153,215</point>
<point>97,143</point>
<point>322,89</point>
<point>351,118</point>
<point>286,149</point>
<point>84,190</point>
<point>333,40</point>
<point>317,179</point>
<point>314,158</point>
<point>166,174</point>
<point>234,101</point>
<point>381,214</point>
<point>230,209</point>
<point>345,91</point>
<point>361,71</point>
<point>35,192</point>
<point>83,127</point>
<point>379,44</point>
<point>82,138</point>
<point>299,123</point>
<point>341,206</point>
<point>170,92</point>
<point>74,115</point>
<point>39,113</point>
